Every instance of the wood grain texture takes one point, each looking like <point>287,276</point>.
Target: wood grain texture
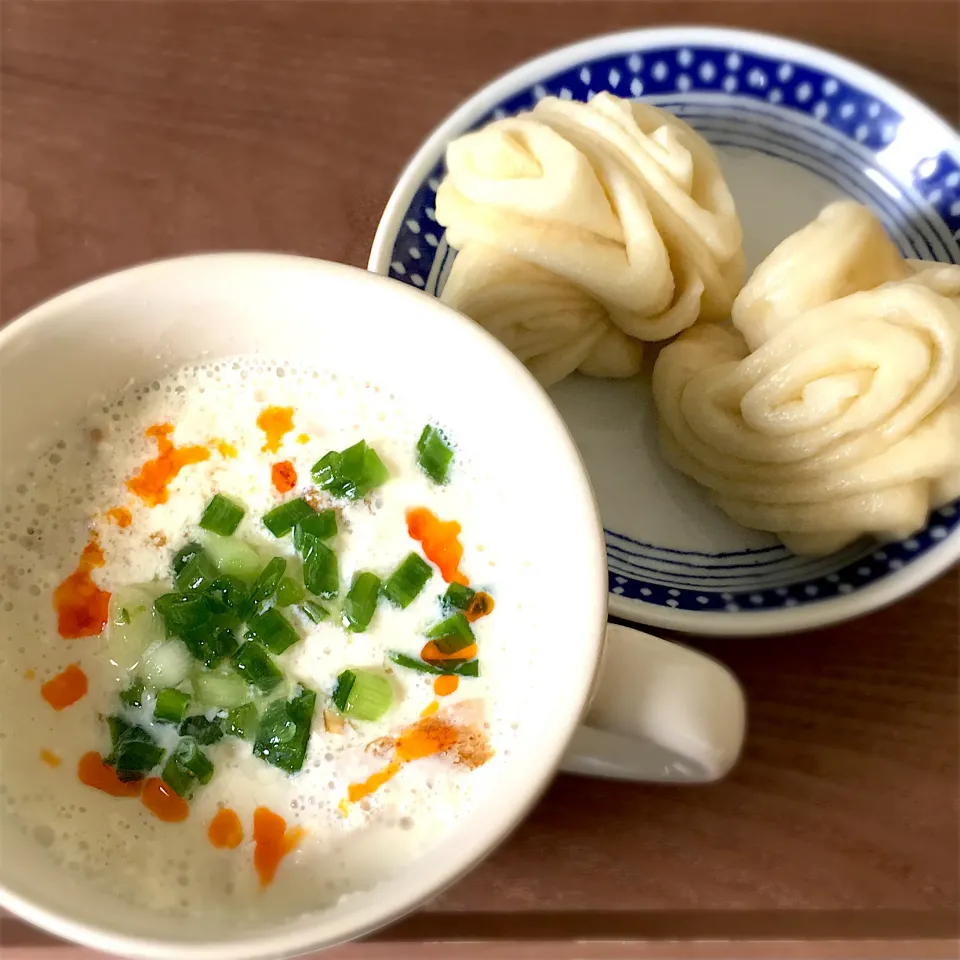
<point>133,130</point>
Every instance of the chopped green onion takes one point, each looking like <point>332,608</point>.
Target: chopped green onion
<point>257,666</point>
<point>134,751</point>
<point>242,722</point>
<point>132,696</point>
<point>188,765</point>
<point>222,516</point>
<point>463,668</point>
<point>285,731</point>
<point>220,688</point>
<point>184,555</point>
<point>202,730</point>
<point>457,597</point>
<point>361,601</point>
<point>351,473</point>
<point>171,705</point>
<point>326,469</point>
<point>273,630</point>
<point>314,611</point>
<point>181,612</point>
<point>265,586</point>
<point>321,571</point>
<point>197,575</point>
<point>234,557</point>
<point>281,520</point>
<point>166,664</point>
<point>452,634</point>
<point>289,592</point>
<point>342,690</point>
<point>434,454</point>
<point>320,526</point>
<point>405,583</point>
<point>209,645</point>
<point>227,594</point>
<point>194,760</point>
<point>412,663</point>
<point>123,617</point>
<point>363,694</point>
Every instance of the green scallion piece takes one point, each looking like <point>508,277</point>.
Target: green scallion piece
<point>181,612</point>
<point>184,555</point>
<point>281,520</point>
<point>405,583</point>
<point>223,687</point>
<point>360,602</point>
<point>321,571</point>
<point>257,667</point>
<point>314,611</point>
<point>289,592</point>
<point>412,663</point>
<point>204,731</point>
<point>273,630</point>
<point>265,586</point>
<point>222,516</point>
<point>188,766</point>
<point>227,595</point>
<point>209,644</point>
<point>320,526</point>
<point>434,454</point>
<point>171,705</point>
<point>368,695</point>
<point>197,574</point>
<point>284,731</point>
<point>342,690</point>
<point>132,696</point>
<point>463,668</point>
<point>242,722</point>
<point>134,751</point>
<point>457,597</point>
<point>452,634</point>
<point>351,473</point>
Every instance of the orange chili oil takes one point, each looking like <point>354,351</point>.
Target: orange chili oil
<point>121,516</point>
<point>152,482</point>
<point>439,539</point>
<point>275,422</point>
<point>425,738</point>
<point>66,688</point>
<point>445,685</point>
<point>225,831</point>
<point>163,802</point>
<point>431,653</point>
<point>480,606</point>
<point>283,476</point>
<point>272,842</point>
<point>81,605</point>
<point>93,772</point>
<point>226,450</point>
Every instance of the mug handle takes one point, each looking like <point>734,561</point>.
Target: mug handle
<point>661,713</point>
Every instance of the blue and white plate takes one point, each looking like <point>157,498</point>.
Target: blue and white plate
<point>795,128</point>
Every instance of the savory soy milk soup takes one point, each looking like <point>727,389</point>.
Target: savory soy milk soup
<point>250,650</point>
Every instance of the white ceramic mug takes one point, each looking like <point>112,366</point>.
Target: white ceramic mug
<point>654,711</point>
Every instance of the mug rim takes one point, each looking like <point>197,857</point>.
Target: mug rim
<point>296,935</point>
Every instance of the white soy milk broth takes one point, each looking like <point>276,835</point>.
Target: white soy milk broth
<point>46,516</point>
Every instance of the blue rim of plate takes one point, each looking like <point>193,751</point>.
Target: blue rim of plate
<point>839,121</point>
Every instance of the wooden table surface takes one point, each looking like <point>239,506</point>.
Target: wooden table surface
<point>133,130</point>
